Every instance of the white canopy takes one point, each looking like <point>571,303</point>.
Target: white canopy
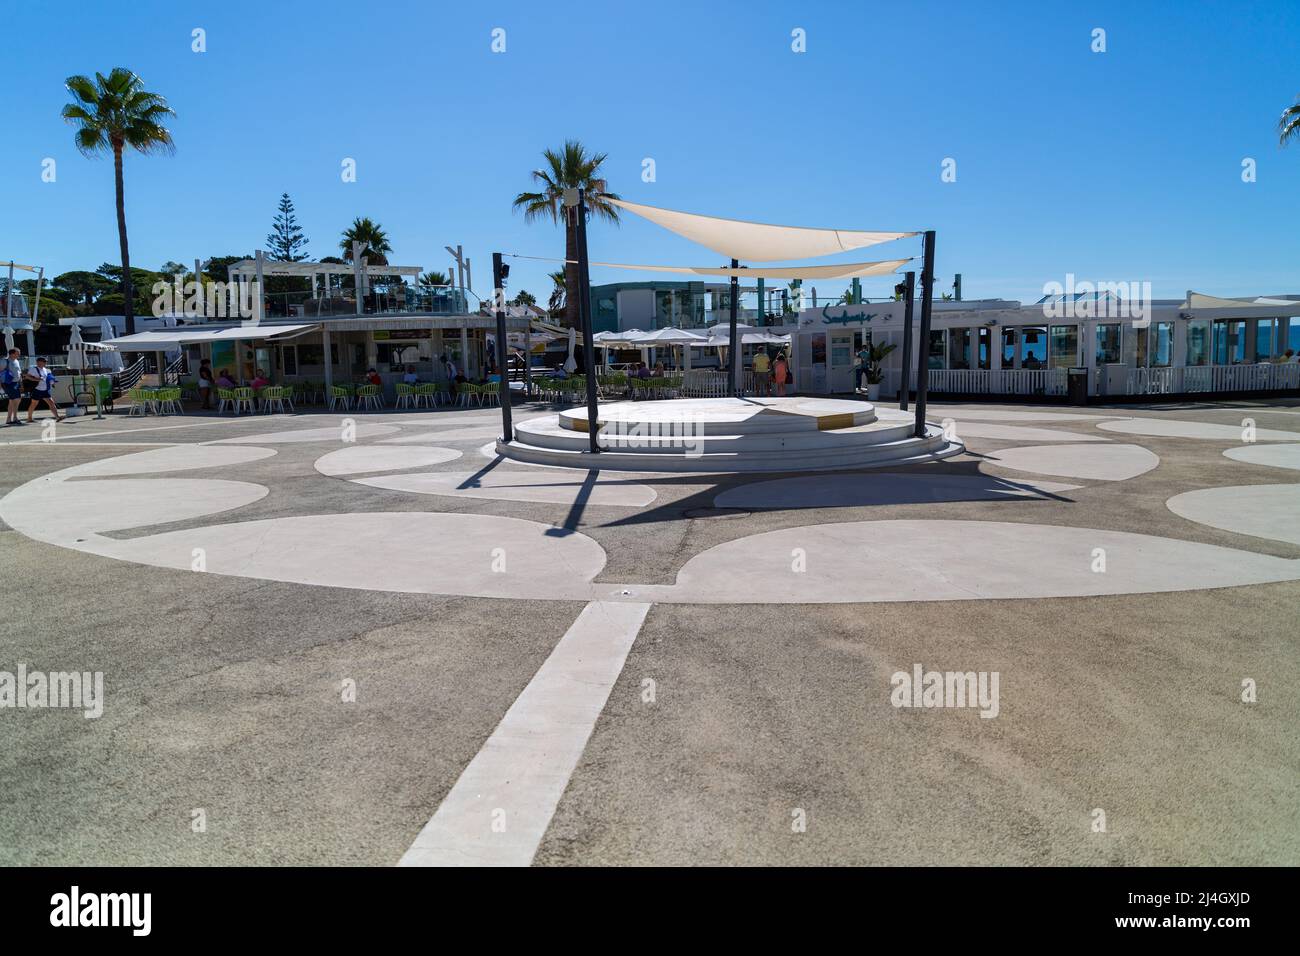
<point>669,336</point>
<point>843,270</point>
<point>756,241</point>
<point>156,341</point>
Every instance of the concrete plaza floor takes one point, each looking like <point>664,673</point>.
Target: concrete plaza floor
<point>748,731</point>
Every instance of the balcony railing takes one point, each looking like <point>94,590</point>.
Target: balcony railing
<point>1003,381</point>
<point>422,300</point>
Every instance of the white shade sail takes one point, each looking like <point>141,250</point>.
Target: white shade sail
<point>843,270</point>
<point>757,241</point>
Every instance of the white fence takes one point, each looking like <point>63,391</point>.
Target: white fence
<point>699,383</point>
<point>1005,381</point>
<point>1264,376</point>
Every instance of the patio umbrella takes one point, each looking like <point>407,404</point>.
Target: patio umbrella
<point>109,361</point>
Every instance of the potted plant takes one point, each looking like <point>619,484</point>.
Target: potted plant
<point>876,374</point>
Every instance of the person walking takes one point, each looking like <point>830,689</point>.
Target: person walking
<point>863,368</point>
<point>782,370</point>
<point>42,380</point>
<point>11,379</point>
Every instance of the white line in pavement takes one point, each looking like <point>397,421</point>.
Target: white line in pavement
<point>155,428</point>
<point>499,809</point>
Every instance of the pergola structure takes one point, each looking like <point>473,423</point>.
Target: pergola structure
<point>259,267</point>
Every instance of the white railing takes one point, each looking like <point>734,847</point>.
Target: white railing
<point>699,383</point>
<point>1263,376</point>
<point>1004,381</point>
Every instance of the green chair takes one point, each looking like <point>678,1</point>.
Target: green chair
<point>406,397</point>
<point>142,402</point>
<point>340,395</point>
<point>272,399</point>
<point>427,395</point>
<point>243,399</point>
<point>368,397</point>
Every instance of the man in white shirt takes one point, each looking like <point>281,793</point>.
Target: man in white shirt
<point>42,380</point>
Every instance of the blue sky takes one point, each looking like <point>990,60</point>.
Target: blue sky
<point>1123,165</point>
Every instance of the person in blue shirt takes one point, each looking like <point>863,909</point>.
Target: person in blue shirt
<point>11,379</point>
<point>42,380</point>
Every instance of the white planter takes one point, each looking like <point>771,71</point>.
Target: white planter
<point>873,392</point>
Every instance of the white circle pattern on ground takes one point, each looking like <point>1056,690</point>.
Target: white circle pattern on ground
<point>334,434</point>
<point>1275,456</point>
<point>938,560</point>
<point>1097,462</point>
<point>359,459</point>
<point>171,458</point>
<point>1173,428</point>
<point>1262,511</point>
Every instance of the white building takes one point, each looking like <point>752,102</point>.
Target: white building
<point>1001,347</point>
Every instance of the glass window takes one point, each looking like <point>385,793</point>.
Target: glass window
<point>935,358</point>
<point>1160,348</point>
<point>959,348</point>
<point>1008,348</point>
<point>289,359</point>
<point>1263,339</point>
<point>1033,347</point>
<point>1108,338</point>
<point>1291,340</point>
<point>1064,346</point>
<point>1198,342</point>
<point>985,338</point>
<point>1229,341</point>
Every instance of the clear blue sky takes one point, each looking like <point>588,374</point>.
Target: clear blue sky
<point>1123,165</point>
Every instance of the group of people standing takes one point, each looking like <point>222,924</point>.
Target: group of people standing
<point>37,382</point>
<point>769,372</point>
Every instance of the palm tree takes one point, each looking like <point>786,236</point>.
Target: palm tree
<point>372,237</point>
<point>569,168</point>
<point>434,279</point>
<point>112,113</point>
<point>1288,127</point>
<point>556,303</point>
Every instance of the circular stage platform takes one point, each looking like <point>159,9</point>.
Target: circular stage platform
<point>714,435</point>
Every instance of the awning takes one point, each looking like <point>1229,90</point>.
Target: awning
<point>843,270</point>
<point>757,241</point>
<point>156,341</point>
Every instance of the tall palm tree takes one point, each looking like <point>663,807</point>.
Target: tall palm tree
<point>434,279</point>
<point>1288,127</point>
<point>370,234</point>
<point>571,167</point>
<point>112,113</point>
<point>556,303</point>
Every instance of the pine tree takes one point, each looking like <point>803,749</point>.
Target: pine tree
<point>286,240</point>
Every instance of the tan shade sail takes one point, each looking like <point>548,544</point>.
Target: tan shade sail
<point>843,270</point>
<point>757,241</point>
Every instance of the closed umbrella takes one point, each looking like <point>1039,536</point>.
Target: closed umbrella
<point>76,349</point>
<point>570,363</point>
<point>109,361</point>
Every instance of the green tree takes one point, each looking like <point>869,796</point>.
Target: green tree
<point>372,236</point>
<point>434,279</point>
<point>1288,127</point>
<point>113,113</point>
<point>83,286</point>
<point>286,240</point>
<point>571,167</point>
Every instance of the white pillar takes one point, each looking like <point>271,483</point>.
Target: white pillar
<point>464,350</point>
<point>258,312</point>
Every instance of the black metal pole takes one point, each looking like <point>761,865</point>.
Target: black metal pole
<point>733,354</point>
<point>923,345</point>
<point>584,316</point>
<point>905,392</point>
<point>499,294</point>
